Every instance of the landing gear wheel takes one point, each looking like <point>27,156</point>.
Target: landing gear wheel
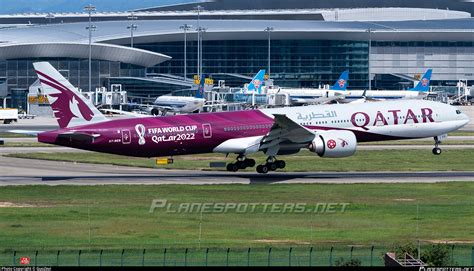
<point>241,164</point>
<point>437,151</point>
<point>272,166</point>
<point>280,164</point>
<point>262,169</point>
<point>232,167</point>
<point>155,112</point>
<point>250,162</point>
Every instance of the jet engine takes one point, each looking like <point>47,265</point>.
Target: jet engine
<point>334,144</point>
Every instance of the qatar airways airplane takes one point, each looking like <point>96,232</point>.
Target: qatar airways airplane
<point>327,130</point>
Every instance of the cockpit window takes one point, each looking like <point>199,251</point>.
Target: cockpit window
<point>458,111</point>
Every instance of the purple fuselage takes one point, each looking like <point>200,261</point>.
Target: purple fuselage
<point>162,136</point>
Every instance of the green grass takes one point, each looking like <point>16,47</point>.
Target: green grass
<point>26,144</point>
<point>14,135</point>
<point>116,217</point>
<point>367,160</point>
<point>462,133</point>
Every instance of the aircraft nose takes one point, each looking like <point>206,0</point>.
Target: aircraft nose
<point>465,118</point>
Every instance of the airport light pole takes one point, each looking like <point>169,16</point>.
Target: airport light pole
<point>185,28</point>
<point>269,30</point>
<point>370,30</point>
<point>199,9</point>
<point>132,27</point>
<point>90,8</point>
<point>201,30</point>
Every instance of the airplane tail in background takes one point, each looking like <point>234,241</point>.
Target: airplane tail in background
<point>341,83</point>
<point>69,106</point>
<point>424,84</point>
<point>201,86</point>
<point>257,82</point>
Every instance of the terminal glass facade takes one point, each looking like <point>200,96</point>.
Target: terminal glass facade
<point>450,61</point>
<point>294,63</point>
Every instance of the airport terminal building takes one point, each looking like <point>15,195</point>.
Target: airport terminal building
<point>310,44</point>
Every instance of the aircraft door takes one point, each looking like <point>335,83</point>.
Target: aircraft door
<point>206,130</point>
<point>126,137</point>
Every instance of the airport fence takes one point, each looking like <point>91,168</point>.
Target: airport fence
<point>460,255</point>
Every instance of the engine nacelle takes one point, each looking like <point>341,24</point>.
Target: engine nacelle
<point>334,144</point>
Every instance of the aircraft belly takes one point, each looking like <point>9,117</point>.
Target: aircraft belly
<point>415,130</point>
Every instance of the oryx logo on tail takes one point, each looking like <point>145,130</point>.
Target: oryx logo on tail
<point>69,106</point>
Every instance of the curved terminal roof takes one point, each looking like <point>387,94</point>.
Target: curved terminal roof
<point>161,31</point>
<point>100,51</point>
<point>462,5</point>
<point>354,14</point>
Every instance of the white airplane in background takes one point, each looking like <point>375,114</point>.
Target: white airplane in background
<point>180,104</point>
<point>338,92</point>
<point>299,96</point>
<point>419,92</point>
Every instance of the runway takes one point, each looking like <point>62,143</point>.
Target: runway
<point>37,172</point>
<point>450,138</point>
<point>8,150</point>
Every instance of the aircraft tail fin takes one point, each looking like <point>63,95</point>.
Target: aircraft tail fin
<point>424,84</point>
<point>257,82</point>
<point>201,86</point>
<point>341,83</point>
<point>69,105</point>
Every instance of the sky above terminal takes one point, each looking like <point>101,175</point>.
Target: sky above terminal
<point>26,6</point>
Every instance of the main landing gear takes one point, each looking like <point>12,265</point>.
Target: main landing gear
<point>272,164</point>
<point>437,149</point>
<point>241,163</point>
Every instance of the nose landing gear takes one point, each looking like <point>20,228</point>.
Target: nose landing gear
<point>437,150</point>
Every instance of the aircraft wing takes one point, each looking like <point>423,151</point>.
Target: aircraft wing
<point>165,108</point>
<point>365,100</point>
<point>284,130</point>
<point>322,100</point>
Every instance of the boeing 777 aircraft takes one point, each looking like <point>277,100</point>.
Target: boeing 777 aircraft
<point>327,130</point>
